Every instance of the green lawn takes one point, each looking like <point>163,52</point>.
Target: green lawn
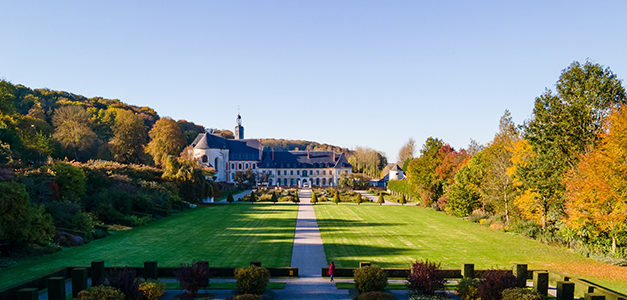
<point>394,236</point>
<point>226,235</point>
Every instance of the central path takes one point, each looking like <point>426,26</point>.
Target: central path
<point>308,255</point>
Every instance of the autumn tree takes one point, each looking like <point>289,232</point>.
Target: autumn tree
<point>367,161</point>
<point>166,140</point>
<point>595,189</point>
<point>407,153</point>
<point>499,183</point>
<point>127,145</point>
<point>72,129</point>
<point>467,192</point>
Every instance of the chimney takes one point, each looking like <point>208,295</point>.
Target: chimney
<point>273,154</point>
<point>307,153</point>
<point>333,156</point>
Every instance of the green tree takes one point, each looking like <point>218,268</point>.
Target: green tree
<point>464,195</point>
<point>381,200</point>
<point>275,198</point>
<point>358,200</point>
<point>166,140</point>
<point>252,197</point>
<point>22,224</point>
<point>403,200</point>
<point>129,137</point>
<point>72,129</point>
<point>314,197</point>
<point>71,180</point>
<point>336,197</point>
<point>421,172</point>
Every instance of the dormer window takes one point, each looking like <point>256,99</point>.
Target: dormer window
<point>204,159</point>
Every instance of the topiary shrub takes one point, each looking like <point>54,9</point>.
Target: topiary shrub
<point>101,292</point>
<point>229,198</point>
<point>275,198</point>
<point>252,280</point>
<point>521,294</point>
<point>358,199</point>
<point>468,289</point>
<point>125,280</point>
<point>370,279</point>
<point>247,297</point>
<point>381,200</point>
<point>336,197</point>
<point>193,277</point>
<point>314,198</point>
<point>376,296</point>
<point>425,278</point>
<point>152,289</point>
<point>403,200</point>
<point>493,282</point>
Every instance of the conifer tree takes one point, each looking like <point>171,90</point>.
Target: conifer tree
<point>275,198</point>
<point>314,197</point>
<point>229,198</point>
<point>403,200</point>
<point>380,200</point>
<point>358,200</point>
<point>336,197</point>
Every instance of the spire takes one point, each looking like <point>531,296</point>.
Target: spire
<point>239,129</point>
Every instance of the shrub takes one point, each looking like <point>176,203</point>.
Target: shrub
<point>84,222</point>
<point>314,198</point>
<point>427,297</point>
<point>370,279</point>
<point>125,280</point>
<point>247,297</point>
<point>21,223</point>
<point>252,280</point>
<point>275,198</point>
<point>229,198</point>
<point>71,180</point>
<point>252,197</point>
<point>193,277</point>
<point>521,294</point>
<point>493,282</point>
<point>376,296</point>
<point>380,200</point>
<point>425,277</point>
<point>467,289</point>
<point>403,200</point>
<point>336,197</point>
<point>296,198</point>
<point>101,292</point>
<point>152,289</point>
<point>358,199</point>
<point>265,197</point>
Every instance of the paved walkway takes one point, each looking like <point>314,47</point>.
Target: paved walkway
<point>308,255</point>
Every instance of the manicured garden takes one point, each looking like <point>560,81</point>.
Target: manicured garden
<point>394,236</point>
<point>225,235</point>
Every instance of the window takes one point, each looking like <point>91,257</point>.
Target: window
<point>239,166</point>
<point>269,181</point>
<point>285,181</point>
<point>254,166</point>
<point>284,172</point>
<point>204,159</point>
<point>232,176</point>
<point>317,181</point>
<point>297,172</point>
<point>324,172</point>
<point>324,181</point>
<point>292,181</point>
<point>317,172</point>
<point>232,166</point>
<point>246,166</point>
<point>304,172</point>
<point>291,172</point>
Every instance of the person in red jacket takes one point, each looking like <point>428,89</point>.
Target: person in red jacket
<point>331,270</point>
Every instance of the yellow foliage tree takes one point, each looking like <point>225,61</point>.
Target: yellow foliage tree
<point>596,190</point>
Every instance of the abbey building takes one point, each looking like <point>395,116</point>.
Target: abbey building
<point>277,168</point>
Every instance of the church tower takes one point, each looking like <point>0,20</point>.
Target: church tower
<point>239,129</point>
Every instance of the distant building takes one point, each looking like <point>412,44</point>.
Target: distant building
<point>395,173</point>
<point>274,168</point>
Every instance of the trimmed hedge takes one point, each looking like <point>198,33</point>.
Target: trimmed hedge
<point>399,186</point>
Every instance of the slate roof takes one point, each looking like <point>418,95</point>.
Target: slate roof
<point>248,149</point>
<point>396,168</point>
<point>299,159</point>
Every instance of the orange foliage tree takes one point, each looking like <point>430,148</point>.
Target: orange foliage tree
<point>596,190</point>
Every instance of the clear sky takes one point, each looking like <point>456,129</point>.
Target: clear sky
<point>369,73</point>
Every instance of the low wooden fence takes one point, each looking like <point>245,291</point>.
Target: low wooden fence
<point>55,280</point>
<point>566,287</point>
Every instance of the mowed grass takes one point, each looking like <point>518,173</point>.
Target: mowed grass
<point>394,236</point>
<point>225,235</point>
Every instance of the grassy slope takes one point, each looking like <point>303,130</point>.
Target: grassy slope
<point>394,236</point>
<point>226,235</point>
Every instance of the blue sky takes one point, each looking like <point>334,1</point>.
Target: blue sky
<point>369,73</point>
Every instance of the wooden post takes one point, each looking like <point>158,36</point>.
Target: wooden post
<point>565,290</point>
<point>97,272</point>
<point>79,281</point>
<point>468,271</point>
<point>364,264</point>
<point>541,283</point>
<point>150,270</point>
<point>28,294</point>
<point>594,296</point>
<point>56,288</point>
<point>520,271</point>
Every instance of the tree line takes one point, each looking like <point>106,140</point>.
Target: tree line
<point>560,177</point>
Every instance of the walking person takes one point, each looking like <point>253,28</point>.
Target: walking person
<point>331,270</point>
